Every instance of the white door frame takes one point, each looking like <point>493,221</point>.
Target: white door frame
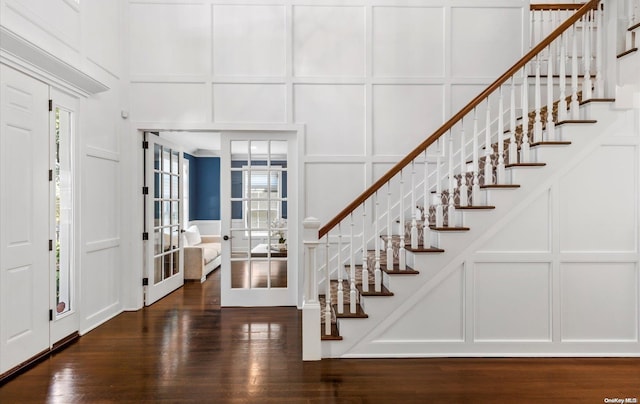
<point>134,299</point>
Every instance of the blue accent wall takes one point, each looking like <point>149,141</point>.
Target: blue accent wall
<point>204,187</point>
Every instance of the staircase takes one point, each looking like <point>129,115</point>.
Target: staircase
<point>399,255</point>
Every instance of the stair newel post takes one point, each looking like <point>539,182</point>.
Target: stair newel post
<point>414,208</point>
<point>451,209</point>
<point>340,270</point>
<point>463,189</point>
<point>500,171</point>
<point>377,273</point>
<point>599,34</point>
<point>488,148</point>
<point>402,252</point>
<point>513,145</point>
<point>475,186</point>
<point>389,229</point>
<point>550,125</point>
<point>352,268</point>
<point>586,56</point>
<point>562,104</point>
<point>524,145</point>
<point>537,123</point>
<point>439,207</point>
<point>365,257</point>
<point>426,232</point>
<point>311,345</point>
<point>327,306</point>
<point>575,106</point>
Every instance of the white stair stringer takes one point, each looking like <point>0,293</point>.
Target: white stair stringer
<point>363,338</point>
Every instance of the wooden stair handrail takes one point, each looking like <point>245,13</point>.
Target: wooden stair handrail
<point>457,117</point>
<point>556,7</point>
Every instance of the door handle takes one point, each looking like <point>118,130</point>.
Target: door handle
<point>225,238</point>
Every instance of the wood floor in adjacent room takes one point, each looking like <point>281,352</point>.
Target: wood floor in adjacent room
<point>186,349</point>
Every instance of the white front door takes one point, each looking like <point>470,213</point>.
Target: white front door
<point>163,218</point>
<point>24,218</point>
<point>258,210</point>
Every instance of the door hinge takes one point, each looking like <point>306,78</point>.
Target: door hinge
<point>50,245</point>
<point>50,315</point>
<point>145,190</point>
<point>145,144</point>
<point>50,105</point>
<point>145,281</point>
<point>50,175</point>
<point>145,236</point>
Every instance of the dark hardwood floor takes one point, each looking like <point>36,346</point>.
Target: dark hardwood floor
<point>186,349</point>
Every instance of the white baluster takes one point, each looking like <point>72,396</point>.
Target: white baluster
<point>599,55</point>
<point>402,253</point>
<point>513,145</point>
<point>414,218</point>
<point>352,269</point>
<point>562,104</point>
<point>439,208</point>
<point>488,148</point>
<point>426,232</point>
<point>500,174</point>
<point>475,186</point>
<point>537,123</point>
<point>631,9</point>
<point>365,252</point>
<point>586,57</point>
<point>550,126</point>
<point>340,269</point>
<point>463,189</point>
<point>524,145</point>
<point>377,274</point>
<point>451,210</point>
<point>327,306</point>
<point>389,234</point>
<point>575,106</point>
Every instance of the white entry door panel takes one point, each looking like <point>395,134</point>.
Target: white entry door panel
<point>24,218</point>
<point>164,248</point>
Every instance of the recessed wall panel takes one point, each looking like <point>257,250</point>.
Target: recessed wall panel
<point>100,117</point>
<point>329,41</point>
<point>476,33</point>
<point>599,301</point>
<point>408,42</point>
<point>169,102</point>
<point>100,276</point>
<point>333,115</point>
<point>169,39</point>
<point>330,187</point>
<point>249,40</point>
<point>598,200</point>
<point>102,43</point>
<point>405,115</point>
<point>512,301</point>
<point>101,199</point>
<point>265,103</point>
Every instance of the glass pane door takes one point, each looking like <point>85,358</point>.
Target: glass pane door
<point>256,221</point>
<point>164,218</point>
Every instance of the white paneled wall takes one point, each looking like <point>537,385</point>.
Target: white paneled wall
<point>369,79</point>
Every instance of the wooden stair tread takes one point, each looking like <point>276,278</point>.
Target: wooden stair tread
<point>397,271</point>
<point>627,52</point>
<point>447,228</point>
<point>515,165</point>
<point>633,27</point>
<point>335,334</point>
<point>550,143</point>
<point>499,186</point>
<point>566,121</point>
<point>475,207</point>
<point>590,100</point>
<point>358,314</point>
<point>372,291</point>
<point>421,249</point>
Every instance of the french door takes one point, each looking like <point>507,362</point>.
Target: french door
<point>259,242</point>
<point>163,218</point>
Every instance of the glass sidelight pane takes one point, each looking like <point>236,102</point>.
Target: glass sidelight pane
<point>157,269</point>
<point>63,209</point>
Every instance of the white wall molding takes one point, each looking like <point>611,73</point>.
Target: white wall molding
<point>18,52</point>
<point>102,154</point>
<point>99,245</point>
